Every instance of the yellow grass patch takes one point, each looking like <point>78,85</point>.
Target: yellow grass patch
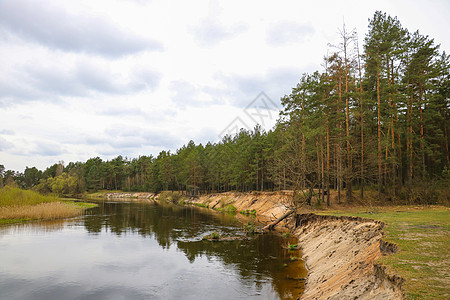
<point>48,211</point>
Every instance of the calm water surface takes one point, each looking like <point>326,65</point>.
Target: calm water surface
<point>144,251</point>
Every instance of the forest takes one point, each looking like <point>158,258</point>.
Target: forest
<point>372,122</point>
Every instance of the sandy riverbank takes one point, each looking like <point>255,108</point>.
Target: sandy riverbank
<point>340,252</point>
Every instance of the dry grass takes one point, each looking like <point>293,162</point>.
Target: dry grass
<point>48,211</point>
<point>17,205</point>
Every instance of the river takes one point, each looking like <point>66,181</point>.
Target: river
<point>129,250</point>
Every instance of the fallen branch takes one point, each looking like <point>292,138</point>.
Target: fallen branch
<point>273,224</point>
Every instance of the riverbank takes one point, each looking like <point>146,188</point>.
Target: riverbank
<point>17,206</point>
<point>340,253</point>
<point>422,234</point>
<point>122,196</point>
<point>379,253</point>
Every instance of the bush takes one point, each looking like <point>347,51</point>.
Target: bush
<point>230,209</point>
<point>213,236</point>
<point>174,197</point>
<point>250,228</point>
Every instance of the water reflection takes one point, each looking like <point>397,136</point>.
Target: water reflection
<point>144,251</point>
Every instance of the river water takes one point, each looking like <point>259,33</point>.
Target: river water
<point>145,251</point>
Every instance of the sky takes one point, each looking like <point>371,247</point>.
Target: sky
<point>87,78</point>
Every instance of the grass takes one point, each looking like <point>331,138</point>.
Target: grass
<point>101,193</point>
<point>213,236</point>
<point>423,236</point>
<point>293,247</point>
<point>10,196</point>
<point>247,212</point>
<point>18,206</point>
<point>201,205</point>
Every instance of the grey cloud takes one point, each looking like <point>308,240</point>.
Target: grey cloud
<point>15,88</point>
<point>46,82</point>
<point>187,94</point>
<point>44,148</point>
<point>210,32</point>
<point>43,23</point>
<point>123,111</point>
<point>283,33</point>
<point>275,83</point>
<point>121,137</point>
<point>5,144</point>
<point>6,131</point>
<point>205,135</point>
<point>145,79</point>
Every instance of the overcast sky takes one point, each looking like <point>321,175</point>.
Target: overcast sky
<point>81,79</point>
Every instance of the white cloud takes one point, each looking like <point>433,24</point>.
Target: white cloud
<point>109,77</point>
<point>284,32</point>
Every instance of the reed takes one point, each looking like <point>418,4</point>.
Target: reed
<point>17,205</point>
<point>47,211</point>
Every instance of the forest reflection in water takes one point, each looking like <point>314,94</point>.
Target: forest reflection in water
<point>147,243</point>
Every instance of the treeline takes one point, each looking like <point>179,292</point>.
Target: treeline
<point>375,119</point>
<point>372,120</point>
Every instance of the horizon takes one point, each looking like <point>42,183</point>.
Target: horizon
<point>128,80</point>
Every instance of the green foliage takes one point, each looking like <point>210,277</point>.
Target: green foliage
<point>230,208</point>
<point>248,212</point>
<point>201,205</point>
<point>174,197</point>
<point>293,246</point>
<point>250,228</point>
<point>64,184</point>
<point>212,236</point>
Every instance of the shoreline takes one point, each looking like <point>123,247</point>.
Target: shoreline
<point>340,252</point>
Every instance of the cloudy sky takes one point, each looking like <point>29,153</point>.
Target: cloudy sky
<point>90,78</point>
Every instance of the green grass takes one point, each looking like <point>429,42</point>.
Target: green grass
<point>101,193</point>
<point>200,205</point>
<point>423,236</point>
<point>10,196</point>
<point>293,247</point>
<point>213,236</point>
<point>85,205</point>
<point>12,221</point>
<point>248,212</point>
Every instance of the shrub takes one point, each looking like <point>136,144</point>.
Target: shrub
<point>212,236</point>
<point>250,228</point>
<point>230,208</point>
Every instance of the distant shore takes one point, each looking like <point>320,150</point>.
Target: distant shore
<point>17,206</point>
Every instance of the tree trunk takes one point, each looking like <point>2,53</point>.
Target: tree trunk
<point>379,125</point>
